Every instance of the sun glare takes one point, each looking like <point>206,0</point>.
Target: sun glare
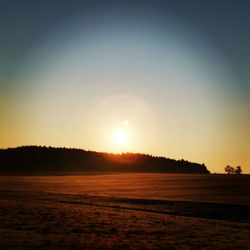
<point>120,137</point>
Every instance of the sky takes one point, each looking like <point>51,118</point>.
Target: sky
<point>168,78</point>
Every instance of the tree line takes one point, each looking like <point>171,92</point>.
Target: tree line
<point>49,159</point>
<point>231,170</point>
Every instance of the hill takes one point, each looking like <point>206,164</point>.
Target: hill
<point>36,159</point>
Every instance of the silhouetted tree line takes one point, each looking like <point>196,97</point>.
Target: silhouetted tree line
<point>49,159</point>
<point>231,170</point>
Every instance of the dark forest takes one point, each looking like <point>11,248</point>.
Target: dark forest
<point>35,159</point>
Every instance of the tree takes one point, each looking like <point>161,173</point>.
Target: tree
<point>238,170</point>
<point>228,169</point>
<point>232,170</point>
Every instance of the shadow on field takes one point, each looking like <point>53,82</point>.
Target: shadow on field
<point>207,210</point>
<point>46,220</point>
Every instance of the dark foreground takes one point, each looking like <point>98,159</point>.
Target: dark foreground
<point>125,211</point>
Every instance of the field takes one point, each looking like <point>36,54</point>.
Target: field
<point>125,211</point>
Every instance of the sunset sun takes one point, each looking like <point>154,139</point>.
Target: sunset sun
<point>120,137</point>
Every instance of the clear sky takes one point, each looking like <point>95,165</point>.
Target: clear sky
<point>167,78</point>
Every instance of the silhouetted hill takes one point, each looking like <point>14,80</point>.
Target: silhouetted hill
<point>36,159</point>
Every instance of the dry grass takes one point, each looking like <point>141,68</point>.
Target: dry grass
<point>40,214</point>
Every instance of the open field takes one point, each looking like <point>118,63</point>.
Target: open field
<point>125,211</point>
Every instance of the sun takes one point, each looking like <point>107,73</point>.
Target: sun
<point>120,137</point>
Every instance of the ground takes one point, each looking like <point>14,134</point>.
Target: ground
<point>125,211</point>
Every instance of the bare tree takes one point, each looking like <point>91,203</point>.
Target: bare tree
<point>228,169</point>
<point>232,170</point>
<point>238,170</point>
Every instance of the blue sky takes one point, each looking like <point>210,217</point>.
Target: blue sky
<point>181,68</point>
